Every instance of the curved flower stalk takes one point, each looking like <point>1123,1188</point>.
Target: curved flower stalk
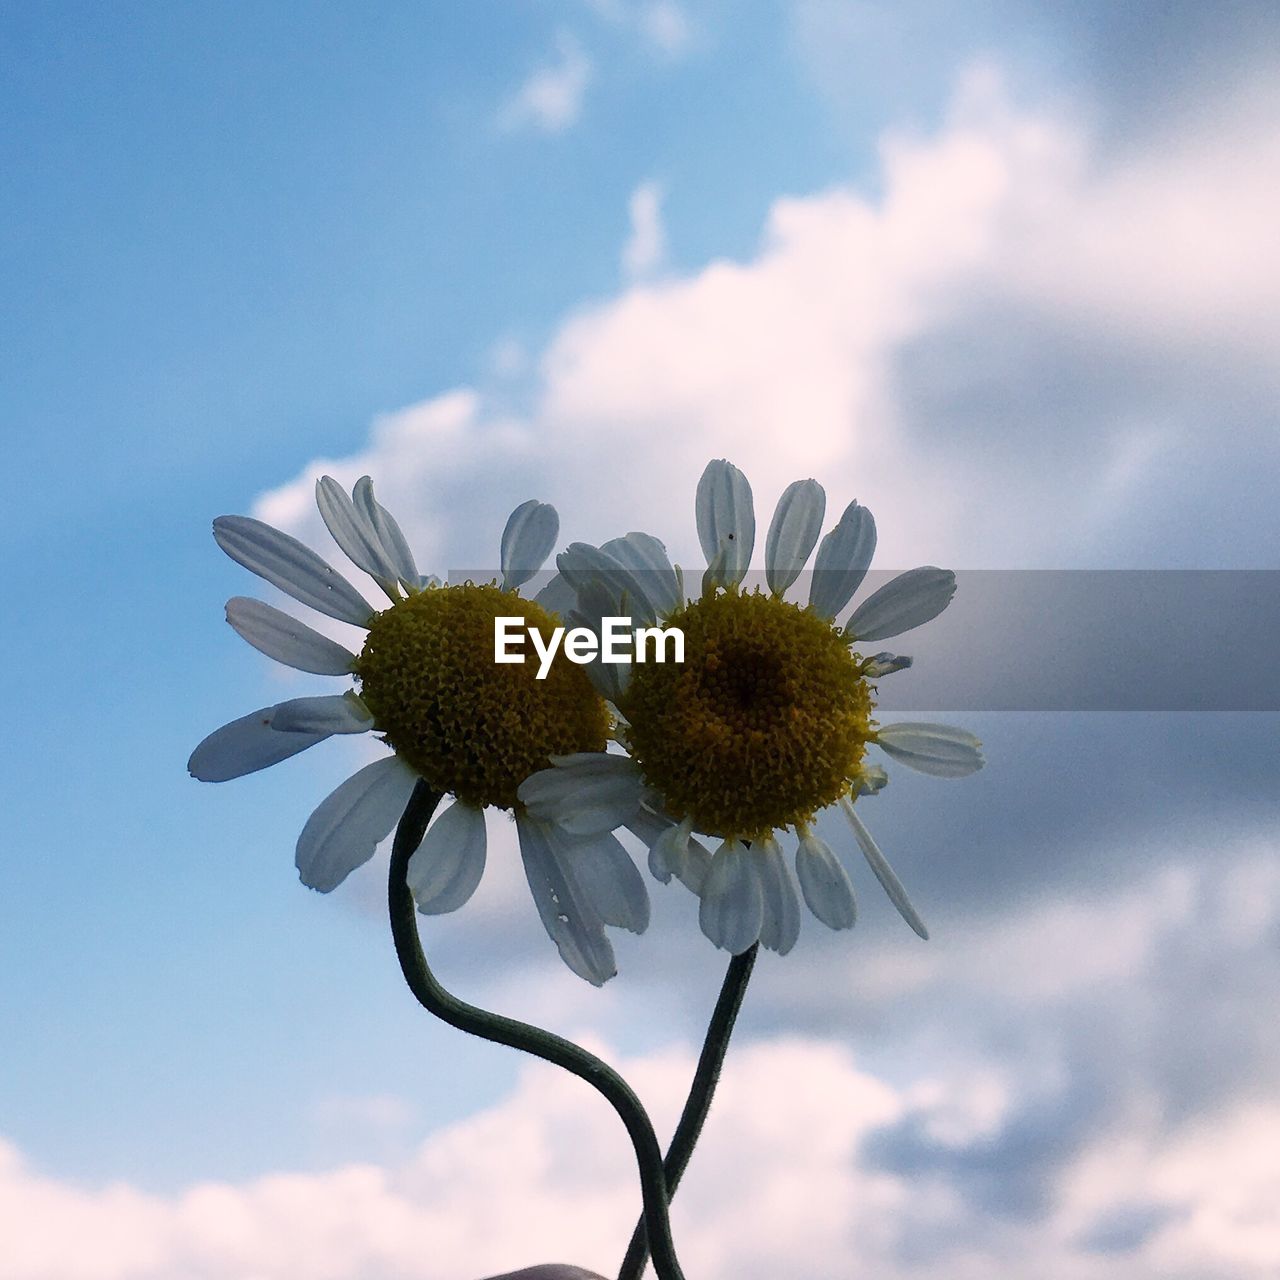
<point>767,722</point>
<point>425,682</point>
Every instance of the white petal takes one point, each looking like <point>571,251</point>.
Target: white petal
<point>880,665</point>
<point>797,521</point>
<point>245,746</point>
<point>284,638</point>
<point>609,678</point>
<point>872,779</point>
<point>595,602</point>
<point>732,908</point>
<point>608,877</point>
<point>842,561</point>
<point>352,532</point>
<point>883,871</point>
<point>572,922</point>
<point>394,547</point>
<point>726,518</point>
<point>781,923</point>
<point>448,864</point>
<point>714,574</point>
<point>527,541</point>
<point>938,749</point>
<point>297,570</point>
<point>604,585</point>
<point>647,826</point>
<point>697,863</point>
<point>585,793</point>
<point>903,603</point>
<point>330,713</point>
<point>557,597</point>
<point>348,824</point>
<point>690,861</point>
<point>646,557</point>
<point>825,883</point>
<point>669,850</point>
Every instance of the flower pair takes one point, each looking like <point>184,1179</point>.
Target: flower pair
<point>764,724</point>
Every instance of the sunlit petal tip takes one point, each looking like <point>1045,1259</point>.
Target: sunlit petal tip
<point>793,532</point>
<point>528,539</point>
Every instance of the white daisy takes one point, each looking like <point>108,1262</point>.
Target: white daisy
<point>767,721</point>
<point>428,685</point>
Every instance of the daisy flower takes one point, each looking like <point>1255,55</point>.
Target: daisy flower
<point>765,724</point>
<point>427,685</point>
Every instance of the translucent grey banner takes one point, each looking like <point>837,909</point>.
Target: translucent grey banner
<point>1077,640</point>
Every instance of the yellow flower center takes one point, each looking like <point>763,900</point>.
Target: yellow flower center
<point>470,726</point>
<point>763,724</point>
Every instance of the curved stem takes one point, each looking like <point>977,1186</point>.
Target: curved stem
<point>698,1103</point>
<point>520,1035</point>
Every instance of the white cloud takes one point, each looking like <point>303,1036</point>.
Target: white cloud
<point>666,25</point>
<point>992,239</point>
<point>663,24</point>
<point>646,247</point>
<point>781,1185</point>
<point>551,98</point>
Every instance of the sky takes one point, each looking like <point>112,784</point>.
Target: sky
<point>1003,273</point>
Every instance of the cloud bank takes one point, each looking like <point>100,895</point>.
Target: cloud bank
<point>1011,352</point>
<point>979,1148</point>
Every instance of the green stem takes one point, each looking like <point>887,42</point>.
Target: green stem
<point>698,1102</point>
<point>520,1035</point>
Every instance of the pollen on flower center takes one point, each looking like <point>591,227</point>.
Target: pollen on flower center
<point>470,726</point>
<point>763,724</point>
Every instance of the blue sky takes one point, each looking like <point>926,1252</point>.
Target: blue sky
<point>1006,277</point>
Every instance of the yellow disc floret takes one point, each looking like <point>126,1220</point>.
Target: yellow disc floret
<point>763,724</point>
<point>470,726</point>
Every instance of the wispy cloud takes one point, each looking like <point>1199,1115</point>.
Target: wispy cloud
<point>551,98</point>
<point>663,24</point>
<point>666,25</point>
<point>646,247</point>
